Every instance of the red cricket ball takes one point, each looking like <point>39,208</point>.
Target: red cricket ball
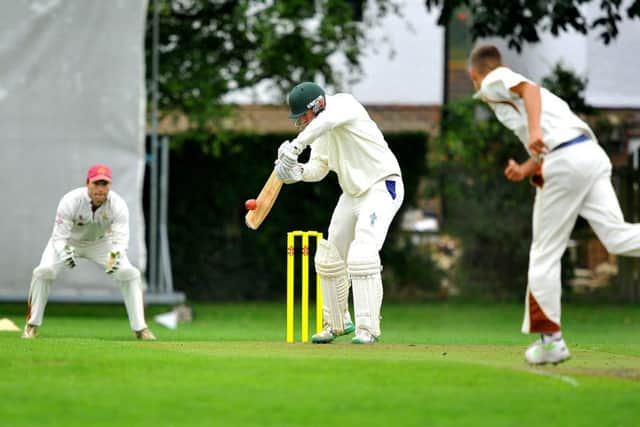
<point>250,204</point>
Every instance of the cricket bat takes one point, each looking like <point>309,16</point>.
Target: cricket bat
<point>264,202</point>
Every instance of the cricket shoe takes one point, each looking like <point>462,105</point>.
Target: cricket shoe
<point>325,336</point>
<point>547,350</point>
<point>30,331</point>
<point>349,327</point>
<point>145,335</point>
<point>363,337</point>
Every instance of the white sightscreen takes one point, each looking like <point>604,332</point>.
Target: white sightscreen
<point>71,94</point>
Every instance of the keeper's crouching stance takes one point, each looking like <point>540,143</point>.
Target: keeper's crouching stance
<point>91,223</point>
<point>345,140</point>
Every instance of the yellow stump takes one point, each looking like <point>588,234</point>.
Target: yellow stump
<point>290,287</point>
<point>305,286</point>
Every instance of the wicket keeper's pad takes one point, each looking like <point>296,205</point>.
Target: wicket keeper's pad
<point>364,267</point>
<point>335,284</point>
<point>72,94</point>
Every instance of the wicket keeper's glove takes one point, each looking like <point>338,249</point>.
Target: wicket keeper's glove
<point>68,256</point>
<point>113,263</point>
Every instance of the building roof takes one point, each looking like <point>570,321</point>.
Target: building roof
<point>273,119</point>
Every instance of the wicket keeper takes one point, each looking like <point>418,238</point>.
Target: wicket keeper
<point>573,177</point>
<point>345,140</point>
<point>91,222</point>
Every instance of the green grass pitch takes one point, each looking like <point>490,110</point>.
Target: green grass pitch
<point>437,364</point>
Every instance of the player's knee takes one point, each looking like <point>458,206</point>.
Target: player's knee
<point>328,260</point>
<point>127,274</point>
<point>44,272</point>
<point>363,258</point>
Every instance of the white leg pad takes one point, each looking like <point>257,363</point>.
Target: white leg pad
<point>334,283</point>
<point>364,268</point>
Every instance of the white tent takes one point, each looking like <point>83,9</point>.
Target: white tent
<point>72,94</point>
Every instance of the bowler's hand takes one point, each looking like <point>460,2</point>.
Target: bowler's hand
<point>537,146</point>
<point>514,171</point>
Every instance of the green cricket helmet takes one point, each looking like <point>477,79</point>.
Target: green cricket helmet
<point>305,96</point>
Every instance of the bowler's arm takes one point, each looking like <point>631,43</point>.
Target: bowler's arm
<point>530,94</point>
<point>518,171</point>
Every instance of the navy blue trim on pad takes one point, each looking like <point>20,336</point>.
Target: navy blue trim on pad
<point>576,140</point>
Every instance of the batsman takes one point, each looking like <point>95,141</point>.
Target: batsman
<point>345,140</point>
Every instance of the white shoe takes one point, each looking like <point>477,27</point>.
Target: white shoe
<point>363,337</point>
<point>349,327</point>
<point>30,331</point>
<point>325,336</point>
<point>145,335</point>
<point>546,350</point>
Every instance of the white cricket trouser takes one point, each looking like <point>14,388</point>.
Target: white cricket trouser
<point>127,276</point>
<point>367,217</point>
<point>577,181</point>
<point>363,222</point>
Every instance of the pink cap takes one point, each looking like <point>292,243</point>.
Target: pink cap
<point>99,172</point>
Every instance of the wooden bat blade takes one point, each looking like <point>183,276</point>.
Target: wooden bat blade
<point>264,202</point>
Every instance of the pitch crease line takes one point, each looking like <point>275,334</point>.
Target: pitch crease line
<point>564,378</point>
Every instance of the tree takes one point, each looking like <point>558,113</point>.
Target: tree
<point>489,214</point>
<point>209,48</point>
<point>521,21</point>
<point>564,83</point>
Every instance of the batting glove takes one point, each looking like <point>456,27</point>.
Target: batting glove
<point>287,155</point>
<point>288,175</point>
<point>113,263</point>
<point>68,256</point>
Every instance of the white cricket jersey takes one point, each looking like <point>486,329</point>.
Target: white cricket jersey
<point>558,123</point>
<point>77,225</point>
<point>345,140</point>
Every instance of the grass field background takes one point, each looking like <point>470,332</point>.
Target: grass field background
<point>444,364</point>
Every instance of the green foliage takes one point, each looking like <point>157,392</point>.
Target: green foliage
<point>410,273</point>
<point>488,213</point>
<point>215,256</point>
<point>522,21</point>
<point>209,48</point>
<point>564,83</point>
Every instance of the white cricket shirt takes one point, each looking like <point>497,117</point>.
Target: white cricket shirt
<point>77,225</point>
<point>345,140</point>
<point>558,123</point>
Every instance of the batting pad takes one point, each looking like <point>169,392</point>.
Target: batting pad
<point>364,269</point>
<point>335,284</point>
